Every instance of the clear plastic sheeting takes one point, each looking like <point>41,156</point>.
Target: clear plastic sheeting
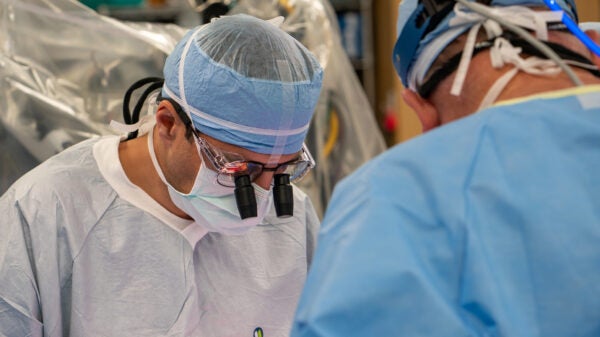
<point>64,70</point>
<point>344,133</point>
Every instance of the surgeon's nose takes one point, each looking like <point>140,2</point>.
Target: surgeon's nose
<point>264,180</point>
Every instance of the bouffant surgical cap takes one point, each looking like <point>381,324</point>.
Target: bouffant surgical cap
<point>246,82</point>
<point>423,38</point>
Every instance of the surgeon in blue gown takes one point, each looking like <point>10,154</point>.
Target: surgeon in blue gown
<point>488,224</point>
<point>148,235</point>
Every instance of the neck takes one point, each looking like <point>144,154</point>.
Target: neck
<point>526,85</point>
<point>137,164</point>
<point>482,76</point>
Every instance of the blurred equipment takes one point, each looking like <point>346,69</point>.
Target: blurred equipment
<point>211,8</point>
<point>95,4</point>
<point>63,72</point>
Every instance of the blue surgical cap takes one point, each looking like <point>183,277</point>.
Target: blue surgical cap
<point>246,82</point>
<point>414,34</point>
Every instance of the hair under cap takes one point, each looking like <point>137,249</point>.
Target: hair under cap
<point>414,36</point>
<point>246,82</point>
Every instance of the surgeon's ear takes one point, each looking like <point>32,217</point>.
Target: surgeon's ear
<point>427,113</point>
<point>595,36</point>
<point>166,120</point>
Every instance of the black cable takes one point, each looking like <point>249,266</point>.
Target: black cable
<point>133,117</point>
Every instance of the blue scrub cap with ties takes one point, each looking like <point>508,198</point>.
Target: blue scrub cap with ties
<point>246,82</point>
<point>416,30</point>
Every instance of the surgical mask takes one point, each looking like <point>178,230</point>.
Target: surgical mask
<point>211,205</point>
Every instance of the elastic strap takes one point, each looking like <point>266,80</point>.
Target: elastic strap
<point>447,69</point>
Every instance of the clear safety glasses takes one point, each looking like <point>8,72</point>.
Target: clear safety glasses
<point>230,165</point>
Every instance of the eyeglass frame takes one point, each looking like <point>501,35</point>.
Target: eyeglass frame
<point>220,163</point>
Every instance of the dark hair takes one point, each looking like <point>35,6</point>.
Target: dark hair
<point>189,126</point>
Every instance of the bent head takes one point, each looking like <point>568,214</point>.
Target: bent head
<point>425,27</point>
<point>246,82</point>
<point>433,34</point>
<point>245,91</point>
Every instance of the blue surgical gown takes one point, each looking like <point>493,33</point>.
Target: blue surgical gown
<point>84,252</point>
<point>487,226</point>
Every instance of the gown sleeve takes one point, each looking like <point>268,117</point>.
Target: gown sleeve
<point>381,268</point>
<point>20,313</point>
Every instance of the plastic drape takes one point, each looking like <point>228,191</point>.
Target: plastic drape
<point>63,72</point>
<point>64,69</point>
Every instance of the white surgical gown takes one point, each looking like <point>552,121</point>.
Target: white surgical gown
<point>487,226</point>
<point>83,252</point>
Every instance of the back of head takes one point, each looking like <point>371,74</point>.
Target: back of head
<point>246,82</point>
<point>426,27</point>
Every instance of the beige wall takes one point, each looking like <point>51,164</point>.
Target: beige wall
<point>589,10</point>
<point>389,84</point>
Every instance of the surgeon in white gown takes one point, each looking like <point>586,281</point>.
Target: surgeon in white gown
<point>143,237</point>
